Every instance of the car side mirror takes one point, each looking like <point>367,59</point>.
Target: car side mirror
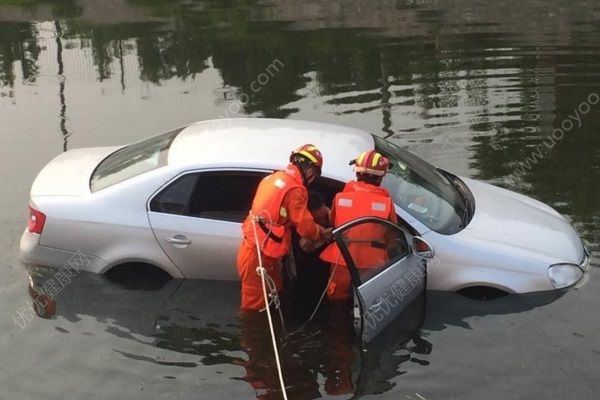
<point>421,248</point>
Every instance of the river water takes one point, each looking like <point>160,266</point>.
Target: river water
<point>503,91</point>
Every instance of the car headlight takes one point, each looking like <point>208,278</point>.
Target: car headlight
<point>563,275</point>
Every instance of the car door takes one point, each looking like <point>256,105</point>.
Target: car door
<point>196,219</point>
<point>388,280</point>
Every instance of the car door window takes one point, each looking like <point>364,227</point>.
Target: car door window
<point>374,247</point>
<point>220,195</point>
<point>224,195</point>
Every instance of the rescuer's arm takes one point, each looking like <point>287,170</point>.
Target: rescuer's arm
<point>295,201</point>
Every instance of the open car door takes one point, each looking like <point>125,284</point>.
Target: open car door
<point>388,269</point>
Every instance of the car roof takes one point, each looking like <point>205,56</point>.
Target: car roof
<point>266,143</point>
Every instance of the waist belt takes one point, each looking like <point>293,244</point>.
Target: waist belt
<point>268,232</point>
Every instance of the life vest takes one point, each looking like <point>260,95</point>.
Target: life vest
<point>272,223</point>
<point>366,242</point>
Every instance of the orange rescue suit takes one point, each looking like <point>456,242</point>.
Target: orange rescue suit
<point>367,242</point>
<point>280,203</point>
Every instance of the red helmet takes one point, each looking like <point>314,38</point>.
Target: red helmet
<point>310,153</point>
<point>371,162</point>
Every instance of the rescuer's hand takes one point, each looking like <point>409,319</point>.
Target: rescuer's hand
<point>328,235</point>
<point>308,245</point>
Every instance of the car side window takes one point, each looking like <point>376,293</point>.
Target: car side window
<point>224,195</point>
<point>374,247</point>
<point>174,198</point>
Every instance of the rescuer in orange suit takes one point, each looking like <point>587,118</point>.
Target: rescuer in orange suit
<point>279,204</point>
<point>360,198</point>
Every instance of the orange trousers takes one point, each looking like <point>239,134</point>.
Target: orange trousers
<point>252,289</point>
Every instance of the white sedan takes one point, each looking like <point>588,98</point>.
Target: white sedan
<point>175,201</point>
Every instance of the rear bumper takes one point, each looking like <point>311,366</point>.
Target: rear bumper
<point>32,254</point>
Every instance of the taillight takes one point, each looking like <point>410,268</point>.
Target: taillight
<point>36,221</point>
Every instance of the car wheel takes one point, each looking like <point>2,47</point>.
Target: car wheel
<point>138,276</point>
<point>482,293</point>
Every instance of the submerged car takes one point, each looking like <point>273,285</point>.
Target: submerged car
<point>175,201</point>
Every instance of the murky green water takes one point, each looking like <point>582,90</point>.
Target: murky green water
<point>504,91</point>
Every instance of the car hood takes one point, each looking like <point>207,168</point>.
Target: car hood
<point>68,174</point>
<point>532,228</point>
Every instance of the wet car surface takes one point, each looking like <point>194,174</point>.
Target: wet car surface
<point>474,87</point>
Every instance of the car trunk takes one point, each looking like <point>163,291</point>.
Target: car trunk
<point>68,174</point>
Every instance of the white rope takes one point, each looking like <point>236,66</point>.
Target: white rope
<point>261,270</point>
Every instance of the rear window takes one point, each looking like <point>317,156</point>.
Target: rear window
<point>133,160</point>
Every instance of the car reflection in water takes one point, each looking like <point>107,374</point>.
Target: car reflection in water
<point>202,318</point>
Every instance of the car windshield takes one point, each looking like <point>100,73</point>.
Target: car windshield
<point>133,160</point>
<point>422,190</point>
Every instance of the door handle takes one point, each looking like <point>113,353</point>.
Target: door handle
<point>376,305</point>
<point>178,239</point>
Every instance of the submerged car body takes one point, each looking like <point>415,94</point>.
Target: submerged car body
<point>175,201</point>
